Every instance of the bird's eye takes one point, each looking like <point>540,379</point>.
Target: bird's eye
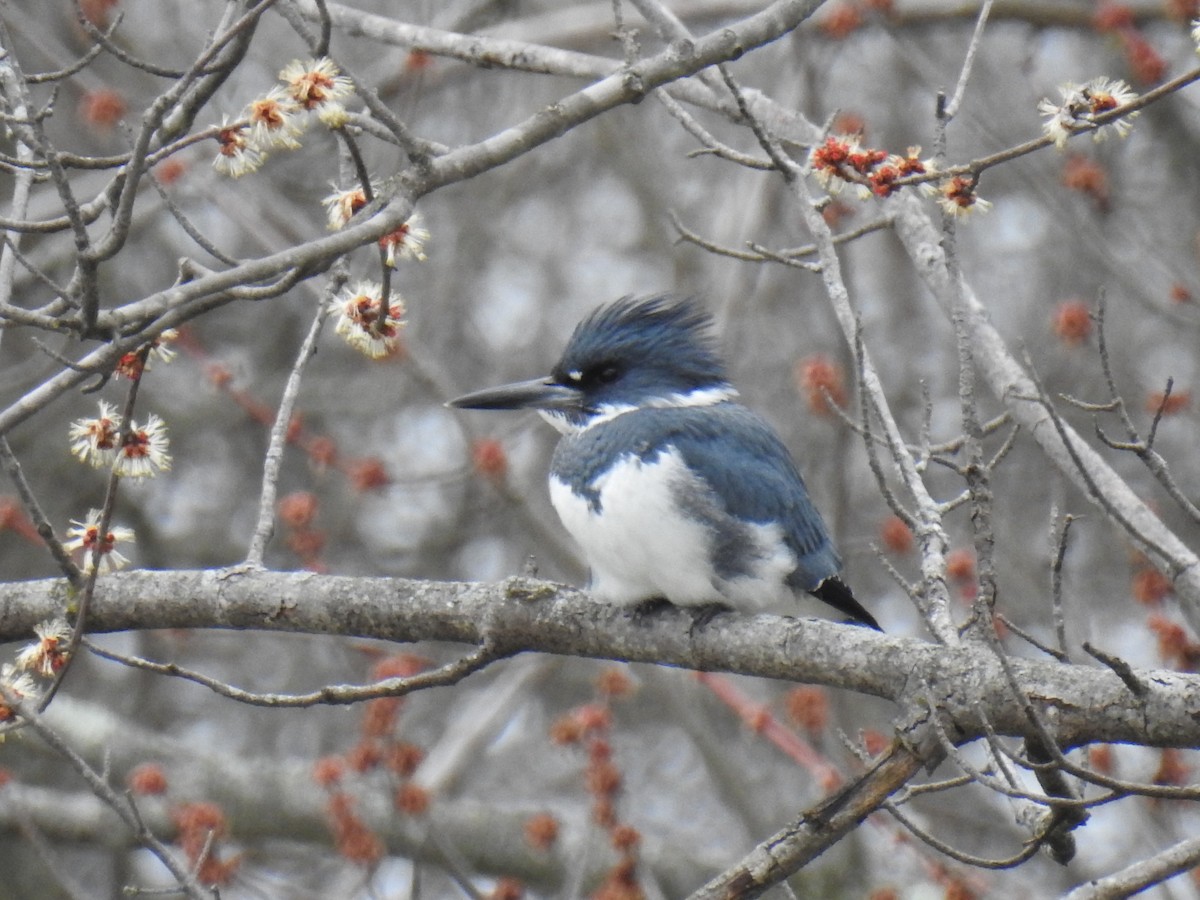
<point>607,374</point>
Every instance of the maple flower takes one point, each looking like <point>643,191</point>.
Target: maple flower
<point>841,159</point>
<point>827,159</point>
<point>102,109</point>
<point>85,535</point>
<point>94,441</point>
<point>237,155</point>
<point>147,780</point>
<point>317,86</point>
<point>162,349</point>
<point>883,180</point>
<point>1081,104</point>
<point>911,163</point>
<point>48,654</point>
<point>18,683</point>
<point>1072,322</point>
<point>896,535</point>
<point>358,311</point>
<point>131,364</point>
<point>144,451</point>
<point>341,205</point>
<point>957,196</point>
<point>275,120</point>
<point>541,831</point>
<point>821,380</point>
<point>406,242</point>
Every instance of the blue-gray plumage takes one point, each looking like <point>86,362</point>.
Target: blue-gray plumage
<point>672,488</point>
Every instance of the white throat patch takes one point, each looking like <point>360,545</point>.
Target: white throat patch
<point>702,397</point>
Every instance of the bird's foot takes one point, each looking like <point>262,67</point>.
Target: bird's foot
<point>702,615</point>
<point>647,609</point>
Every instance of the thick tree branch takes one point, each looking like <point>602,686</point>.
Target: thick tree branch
<point>965,685</point>
<point>815,831</point>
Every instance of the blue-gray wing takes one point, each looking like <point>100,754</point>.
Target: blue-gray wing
<point>753,479</point>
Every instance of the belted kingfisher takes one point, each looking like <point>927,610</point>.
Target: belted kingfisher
<point>672,488</point>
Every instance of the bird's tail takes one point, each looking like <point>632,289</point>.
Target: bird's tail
<point>835,592</point>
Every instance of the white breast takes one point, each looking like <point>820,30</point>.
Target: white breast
<point>640,546</point>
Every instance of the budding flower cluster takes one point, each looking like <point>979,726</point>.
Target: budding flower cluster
<point>1080,106</point>
<point>363,323</point>
<point>132,364</point>
<point>311,88</point>
<point>17,686</point>
<point>406,242</point>
<point>841,159</point>
<point>85,538</point>
<point>957,196</point>
<point>48,654</point>
<point>341,205</point>
<point>45,657</point>
<point>140,453</point>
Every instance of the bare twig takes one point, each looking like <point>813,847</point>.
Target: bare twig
<point>33,509</point>
<point>950,109</point>
<point>283,420</point>
<point>1141,875</point>
<point>1143,449</point>
<point>1058,536</point>
<point>118,804</point>
<point>331,695</point>
<point>1123,669</point>
<point>980,862</point>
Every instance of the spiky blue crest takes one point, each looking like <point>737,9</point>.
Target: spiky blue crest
<point>640,349</point>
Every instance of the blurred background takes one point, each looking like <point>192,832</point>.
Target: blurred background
<point>383,480</point>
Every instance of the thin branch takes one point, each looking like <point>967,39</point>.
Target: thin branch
<point>191,230</point>
<point>762,254</point>
<point>1141,875</point>
<point>104,42</point>
<point>83,600</point>
<point>188,93</point>
<point>1030,639</point>
<point>283,419</point>
<point>1068,440</point>
<point>119,805</point>
<point>331,695</point>
<point>711,144</point>
<point>46,853</point>
<point>868,410</point>
<point>981,862</point>
<point>33,509</point>
<point>1123,670</point>
<point>950,110</point>
<point>1144,449</point>
<point>27,264</point>
<point>16,89</point>
<point>1059,535</point>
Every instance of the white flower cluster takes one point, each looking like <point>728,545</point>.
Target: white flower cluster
<point>313,88</point>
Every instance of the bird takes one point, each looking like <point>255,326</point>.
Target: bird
<point>672,488</point>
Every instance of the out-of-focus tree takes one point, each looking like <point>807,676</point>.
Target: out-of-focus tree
<point>250,559</point>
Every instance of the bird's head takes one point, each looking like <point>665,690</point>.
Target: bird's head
<point>637,352</point>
